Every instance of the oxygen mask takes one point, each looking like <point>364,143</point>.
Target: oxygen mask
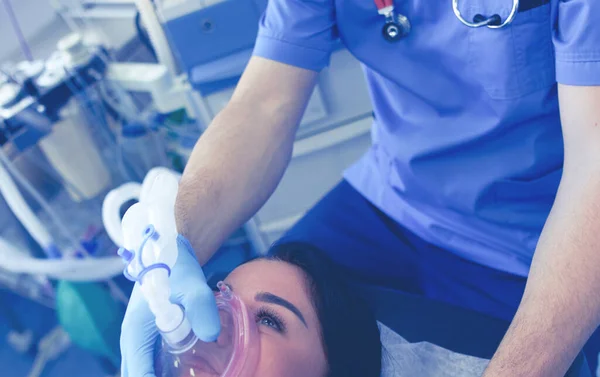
<point>234,354</point>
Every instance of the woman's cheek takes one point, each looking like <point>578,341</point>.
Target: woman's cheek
<point>280,358</point>
<point>273,358</point>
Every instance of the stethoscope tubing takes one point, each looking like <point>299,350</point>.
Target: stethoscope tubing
<point>486,21</point>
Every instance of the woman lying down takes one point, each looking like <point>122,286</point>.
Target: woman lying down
<point>309,323</point>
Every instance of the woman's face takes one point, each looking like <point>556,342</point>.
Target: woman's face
<point>276,295</point>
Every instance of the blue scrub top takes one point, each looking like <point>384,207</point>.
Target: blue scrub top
<point>467,145</point>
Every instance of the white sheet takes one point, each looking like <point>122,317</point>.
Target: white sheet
<point>404,359</point>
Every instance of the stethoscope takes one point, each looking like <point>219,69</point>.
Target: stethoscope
<point>398,26</point>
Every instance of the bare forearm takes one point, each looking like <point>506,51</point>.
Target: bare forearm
<point>561,305</point>
<point>240,159</point>
<point>231,173</point>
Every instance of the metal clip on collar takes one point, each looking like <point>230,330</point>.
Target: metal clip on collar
<point>492,22</point>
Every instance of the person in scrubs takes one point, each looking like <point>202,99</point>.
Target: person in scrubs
<point>482,185</point>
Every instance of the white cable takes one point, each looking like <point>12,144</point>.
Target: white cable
<point>38,198</point>
<point>78,272</point>
<point>88,269</point>
<point>21,210</point>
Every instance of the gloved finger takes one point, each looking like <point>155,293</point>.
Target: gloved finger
<point>186,266</point>
<point>138,361</point>
<point>124,368</point>
<point>138,339</point>
<point>137,349</point>
<point>202,312</point>
<point>189,288</point>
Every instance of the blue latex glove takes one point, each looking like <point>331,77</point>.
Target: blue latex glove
<point>190,290</point>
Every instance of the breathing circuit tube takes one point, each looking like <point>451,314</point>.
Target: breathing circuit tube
<point>88,269</point>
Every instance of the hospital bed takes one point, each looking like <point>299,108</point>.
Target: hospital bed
<point>419,319</point>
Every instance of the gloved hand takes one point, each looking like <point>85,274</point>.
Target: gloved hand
<point>190,290</point>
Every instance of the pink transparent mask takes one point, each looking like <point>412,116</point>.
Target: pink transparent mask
<point>234,354</point>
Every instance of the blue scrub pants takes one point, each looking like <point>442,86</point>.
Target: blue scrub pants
<point>375,249</point>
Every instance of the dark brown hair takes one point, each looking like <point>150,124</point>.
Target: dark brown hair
<point>349,330</point>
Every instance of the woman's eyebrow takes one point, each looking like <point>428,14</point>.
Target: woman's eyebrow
<point>270,298</point>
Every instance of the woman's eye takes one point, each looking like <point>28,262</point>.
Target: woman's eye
<point>269,322</point>
<point>267,317</point>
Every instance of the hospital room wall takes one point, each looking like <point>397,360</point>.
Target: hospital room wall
<point>43,27</point>
<point>37,21</point>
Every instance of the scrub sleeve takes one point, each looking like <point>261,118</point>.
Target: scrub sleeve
<point>301,33</point>
<point>577,41</point>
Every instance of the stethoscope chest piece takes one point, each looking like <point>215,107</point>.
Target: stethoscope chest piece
<point>396,28</point>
